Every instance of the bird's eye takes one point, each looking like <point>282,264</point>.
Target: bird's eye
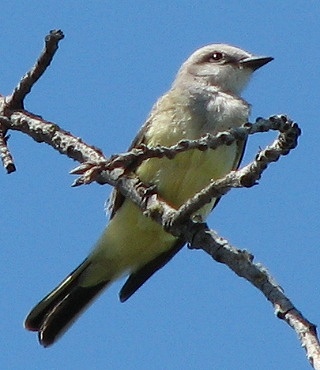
<point>216,56</point>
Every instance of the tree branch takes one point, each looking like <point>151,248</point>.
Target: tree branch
<point>15,101</point>
<point>241,262</point>
<point>96,167</point>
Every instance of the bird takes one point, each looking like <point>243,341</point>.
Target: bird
<point>205,97</point>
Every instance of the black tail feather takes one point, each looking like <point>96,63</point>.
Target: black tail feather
<point>63,314</point>
<point>53,315</point>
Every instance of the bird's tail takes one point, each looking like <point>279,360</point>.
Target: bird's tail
<point>53,315</point>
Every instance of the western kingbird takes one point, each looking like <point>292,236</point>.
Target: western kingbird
<point>204,98</point>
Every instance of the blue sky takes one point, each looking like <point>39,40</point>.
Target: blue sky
<point>116,60</point>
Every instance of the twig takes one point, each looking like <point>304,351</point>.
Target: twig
<point>6,157</point>
<point>15,101</point>
<point>132,159</point>
<point>50,133</point>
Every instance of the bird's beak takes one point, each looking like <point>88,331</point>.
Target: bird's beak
<point>255,62</point>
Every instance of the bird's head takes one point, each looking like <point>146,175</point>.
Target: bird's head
<point>226,67</point>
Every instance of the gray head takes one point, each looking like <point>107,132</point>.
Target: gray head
<point>226,67</point>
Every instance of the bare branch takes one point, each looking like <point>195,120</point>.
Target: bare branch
<point>132,159</point>
<point>6,157</point>
<point>15,101</point>
<point>307,335</point>
<point>241,262</point>
<point>50,133</point>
